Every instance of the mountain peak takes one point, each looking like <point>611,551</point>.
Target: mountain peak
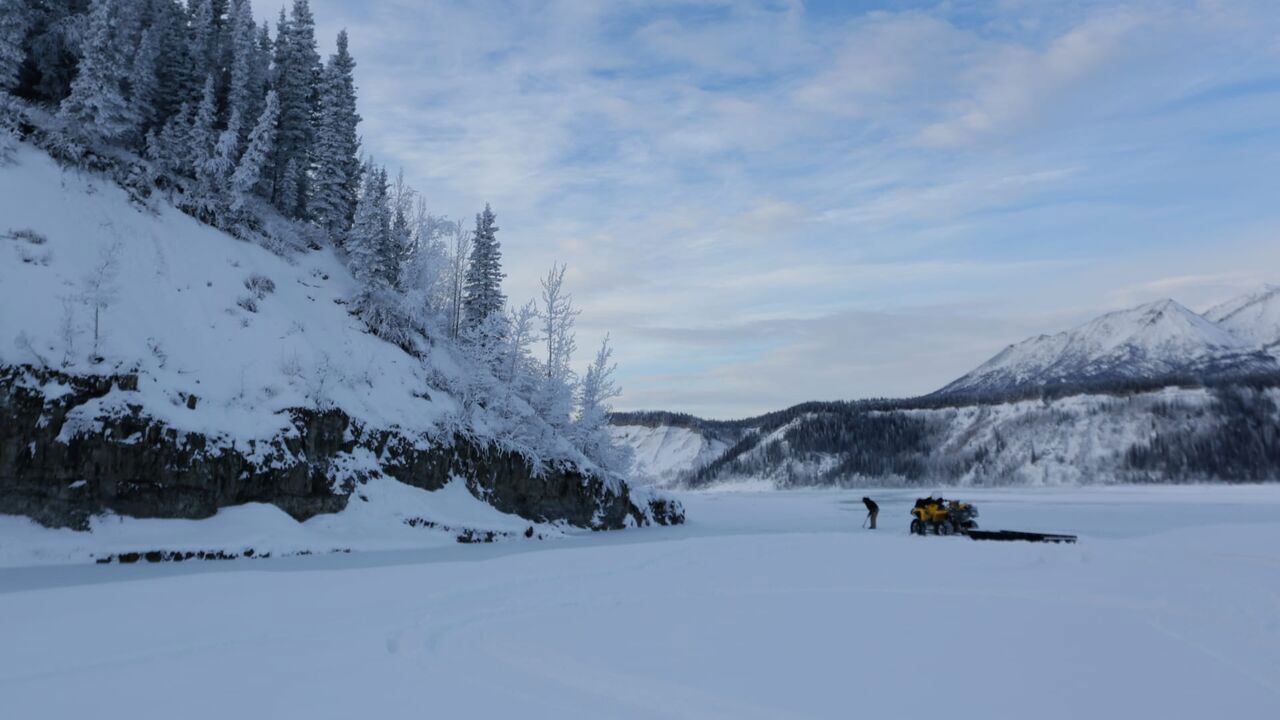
<point>1157,340</point>
<point>1253,317</point>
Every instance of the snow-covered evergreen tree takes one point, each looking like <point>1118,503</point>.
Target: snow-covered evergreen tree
<point>144,83</point>
<point>97,108</point>
<point>246,83</point>
<point>246,179</point>
<point>369,238</point>
<point>171,147</point>
<point>337,146</point>
<point>203,134</point>
<point>483,290</point>
<point>297,74</point>
<point>214,174</point>
<point>16,18</point>
<point>202,40</point>
<point>176,80</point>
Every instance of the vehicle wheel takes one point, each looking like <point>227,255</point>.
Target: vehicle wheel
<point>945,528</point>
<point>917,528</point>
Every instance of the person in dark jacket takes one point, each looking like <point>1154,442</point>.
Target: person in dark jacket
<point>872,510</point>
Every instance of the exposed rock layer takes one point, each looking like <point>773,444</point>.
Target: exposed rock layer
<point>60,467</point>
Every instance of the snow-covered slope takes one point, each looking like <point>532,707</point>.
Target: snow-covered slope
<point>662,454</point>
<point>180,313</point>
<point>224,373</point>
<point>1254,317</point>
<point>1150,342</point>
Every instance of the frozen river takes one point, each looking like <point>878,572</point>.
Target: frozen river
<point>766,605</point>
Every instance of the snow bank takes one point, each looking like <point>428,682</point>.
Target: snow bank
<point>383,515</point>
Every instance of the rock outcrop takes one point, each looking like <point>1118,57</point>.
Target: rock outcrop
<point>65,457</point>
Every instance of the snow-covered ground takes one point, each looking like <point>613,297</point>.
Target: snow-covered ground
<point>766,605</point>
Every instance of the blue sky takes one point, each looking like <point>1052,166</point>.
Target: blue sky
<point>776,201</point>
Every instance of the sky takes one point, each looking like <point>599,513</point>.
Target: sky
<point>767,202</point>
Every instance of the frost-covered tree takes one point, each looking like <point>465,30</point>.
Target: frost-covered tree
<point>16,19</point>
<point>553,398</point>
<point>424,272</point>
<point>246,78</point>
<point>54,44</point>
<point>214,174</point>
<point>370,233</point>
<point>177,82</point>
<point>144,87</point>
<point>171,147</point>
<point>97,108</point>
<point>518,369</point>
<point>459,256</point>
<point>296,82</point>
<point>248,173</point>
<point>98,290</point>
<point>337,146</point>
<point>590,430</point>
<point>483,290</point>
<point>202,40</point>
<point>203,133</point>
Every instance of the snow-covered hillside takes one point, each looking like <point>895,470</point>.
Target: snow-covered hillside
<point>662,454</point>
<point>1150,342</point>
<point>154,366</point>
<point>196,314</point>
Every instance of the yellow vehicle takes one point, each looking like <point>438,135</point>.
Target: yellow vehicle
<point>942,517</point>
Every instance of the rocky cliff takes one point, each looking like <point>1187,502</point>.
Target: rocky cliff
<point>66,455</point>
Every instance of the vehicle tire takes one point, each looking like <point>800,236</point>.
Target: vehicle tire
<point>917,527</point>
<point>945,527</point>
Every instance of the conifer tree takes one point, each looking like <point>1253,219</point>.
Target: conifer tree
<point>245,82</point>
<point>248,173</point>
<point>176,81</point>
<point>97,108</point>
<point>144,83</point>
<point>337,146</point>
<point>16,18</point>
<point>297,73</point>
<point>483,291</point>
<point>203,135</point>
<point>370,233</point>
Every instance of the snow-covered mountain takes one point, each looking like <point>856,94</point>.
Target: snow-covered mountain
<point>1254,317</point>
<point>1085,405</point>
<point>1150,343</point>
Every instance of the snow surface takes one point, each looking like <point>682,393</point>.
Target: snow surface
<point>765,605</point>
<point>662,454</point>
